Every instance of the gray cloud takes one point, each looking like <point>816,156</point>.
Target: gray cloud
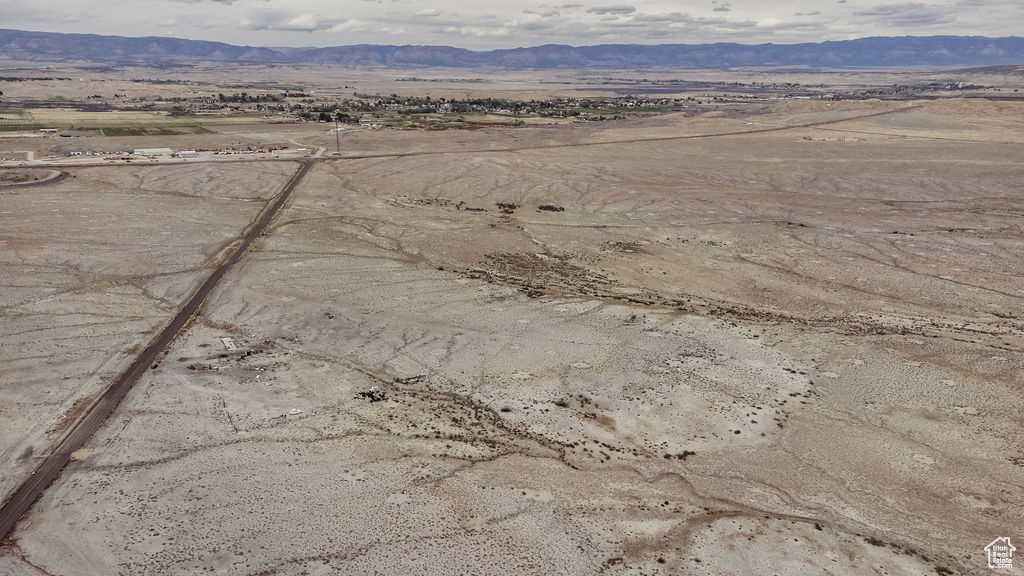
<point>682,20</point>
<point>614,9</point>
<point>478,25</point>
<point>305,22</point>
<point>544,14</point>
<point>908,14</point>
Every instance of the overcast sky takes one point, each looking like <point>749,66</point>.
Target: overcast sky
<point>483,24</point>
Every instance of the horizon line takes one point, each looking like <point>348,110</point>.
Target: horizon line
<point>527,47</point>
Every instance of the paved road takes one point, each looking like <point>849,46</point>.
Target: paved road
<point>30,490</point>
<point>53,177</point>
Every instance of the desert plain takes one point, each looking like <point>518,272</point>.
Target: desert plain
<point>771,335</point>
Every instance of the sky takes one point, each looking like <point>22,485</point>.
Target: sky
<point>484,25</point>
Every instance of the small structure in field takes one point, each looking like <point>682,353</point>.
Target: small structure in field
<point>153,152</point>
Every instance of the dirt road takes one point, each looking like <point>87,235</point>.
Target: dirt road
<point>29,490</point>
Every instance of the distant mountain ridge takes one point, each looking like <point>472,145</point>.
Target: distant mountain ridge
<point>907,51</point>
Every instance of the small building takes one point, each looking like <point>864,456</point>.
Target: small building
<point>188,154</point>
<point>153,152</point>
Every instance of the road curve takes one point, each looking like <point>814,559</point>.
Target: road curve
<point>53,177</point>
<point>34,486</point>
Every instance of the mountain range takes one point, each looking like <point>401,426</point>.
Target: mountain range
<point>878,52</point>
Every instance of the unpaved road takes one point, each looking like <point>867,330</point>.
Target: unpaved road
<point>27,493</point>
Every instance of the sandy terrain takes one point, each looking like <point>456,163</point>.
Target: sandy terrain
<point>784,352</point>
<point>92,266</point>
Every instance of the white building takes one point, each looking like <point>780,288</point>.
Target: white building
<point>153,152</point>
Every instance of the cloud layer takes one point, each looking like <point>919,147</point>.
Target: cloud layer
<point>486,25</point>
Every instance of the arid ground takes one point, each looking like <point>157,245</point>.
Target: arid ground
<point>777,338</point>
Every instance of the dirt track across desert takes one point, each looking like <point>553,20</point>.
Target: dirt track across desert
<point>15,507</point>
<point>731,331</point>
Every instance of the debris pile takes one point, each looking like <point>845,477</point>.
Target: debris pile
<point>374,394</point>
